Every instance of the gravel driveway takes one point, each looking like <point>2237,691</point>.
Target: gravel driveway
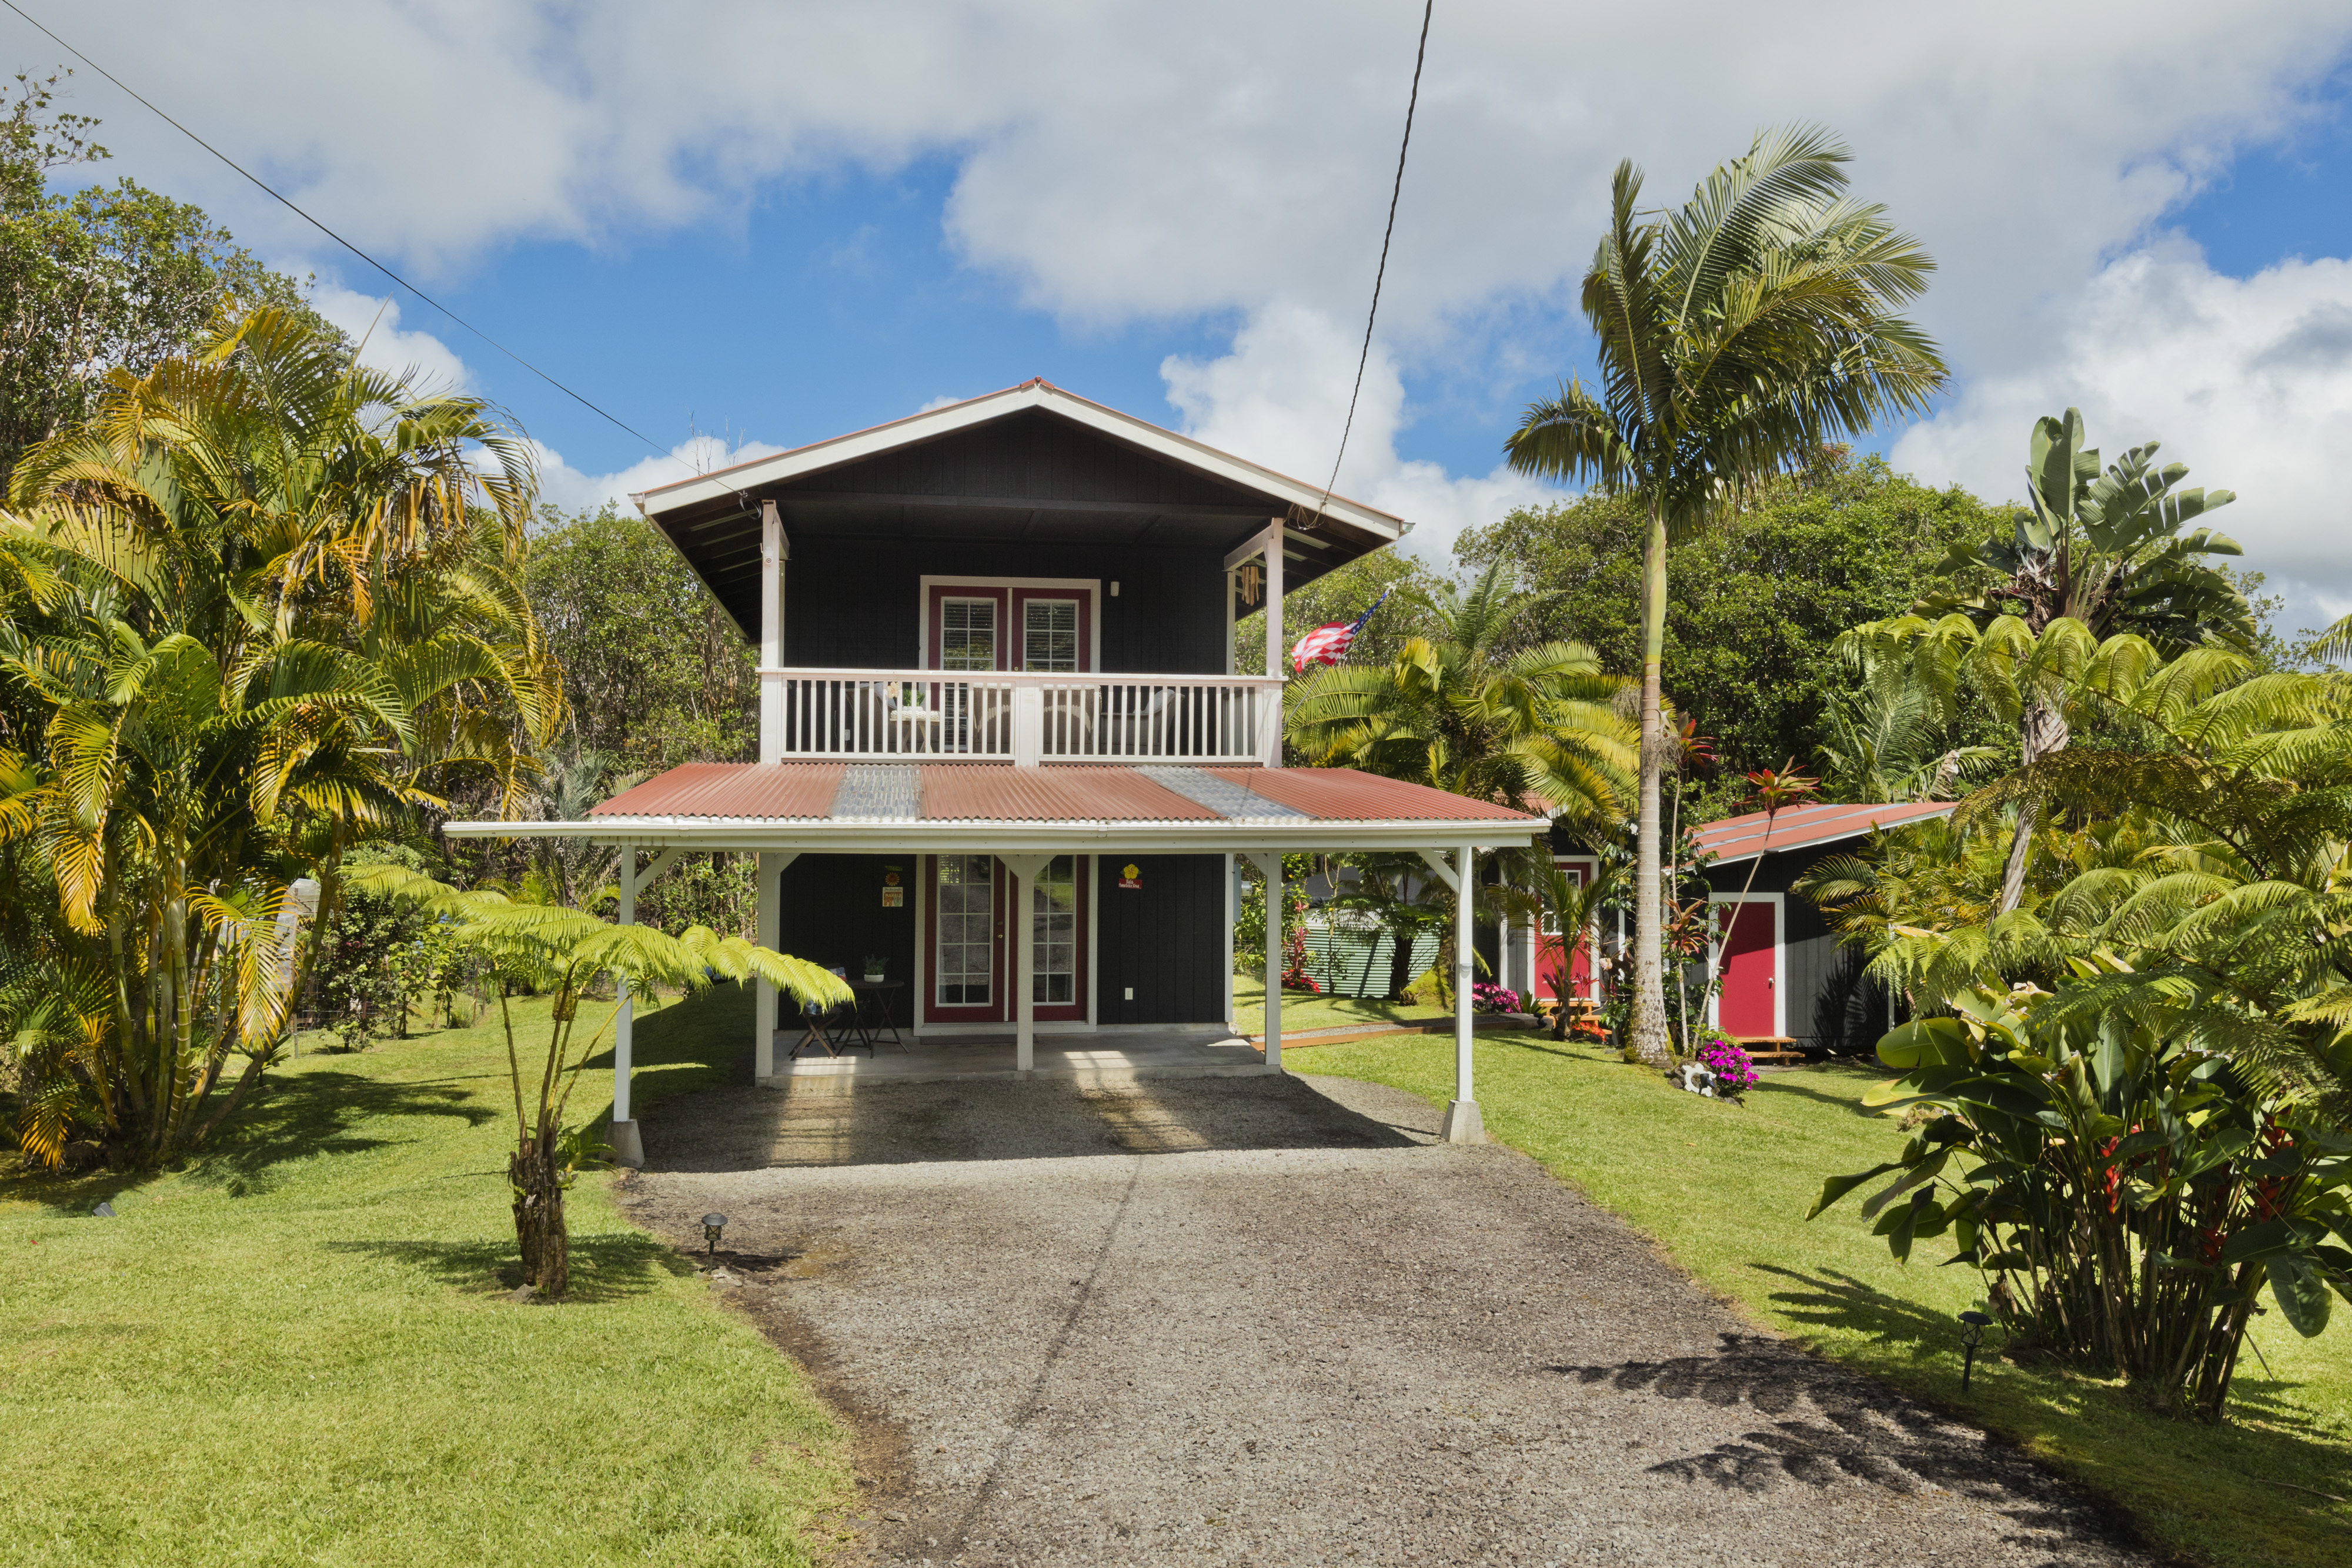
<point>1273,1321</point>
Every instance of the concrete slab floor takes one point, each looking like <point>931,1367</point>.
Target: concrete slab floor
<point>1272,1320</point>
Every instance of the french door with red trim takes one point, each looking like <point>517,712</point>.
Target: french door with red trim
<point>967,971</point>
<point>1008,626</point>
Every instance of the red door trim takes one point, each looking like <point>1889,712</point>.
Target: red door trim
<point>933,1011</point>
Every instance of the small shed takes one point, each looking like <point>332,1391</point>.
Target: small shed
<point>1788,982</point>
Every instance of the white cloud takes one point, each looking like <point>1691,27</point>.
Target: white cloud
<point>2249,382</point>
<point>1126,163</point>
<point>374,323</point>
<point>564,486</point>
<point>1280,399</point>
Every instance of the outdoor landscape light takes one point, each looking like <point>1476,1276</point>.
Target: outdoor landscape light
<point>1972,1337</point>
<point>712,1224</point>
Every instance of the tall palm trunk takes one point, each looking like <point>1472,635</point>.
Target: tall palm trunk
<point>1648,1025</point>
<point>2042,730</point>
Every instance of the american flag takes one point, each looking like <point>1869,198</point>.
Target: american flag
<point>1328,643</point>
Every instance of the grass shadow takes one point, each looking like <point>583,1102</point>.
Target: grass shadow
<point>318,1113</point>
<point>1837,1300</point>
<point>606,1267</point>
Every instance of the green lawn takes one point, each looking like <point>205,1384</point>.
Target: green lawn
<point>1725,1188</point>
<point>1302,1011</point>
<point>301,1350</point>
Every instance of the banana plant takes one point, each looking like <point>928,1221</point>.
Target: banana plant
<point>2125,1195</point>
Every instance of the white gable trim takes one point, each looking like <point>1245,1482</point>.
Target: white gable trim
<point>938,422</point>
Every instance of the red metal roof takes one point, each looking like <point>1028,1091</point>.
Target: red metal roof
<point>773,790</point>
<point>983,792</point>
<point>1802,827</point>
<point>1344,795</point>
<point>953,793</point>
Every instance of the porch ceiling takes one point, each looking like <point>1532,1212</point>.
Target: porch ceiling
<point>975,807</point>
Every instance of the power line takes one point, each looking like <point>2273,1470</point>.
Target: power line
<point>1364,358</point>
<point>331,235</point>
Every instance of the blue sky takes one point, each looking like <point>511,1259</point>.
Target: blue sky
<point>767,223</point>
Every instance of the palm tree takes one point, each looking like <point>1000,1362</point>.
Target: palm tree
<point>264,605</point>
<point>1736,335</point>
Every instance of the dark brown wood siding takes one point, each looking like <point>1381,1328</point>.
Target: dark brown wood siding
<point>1167,939</point>
<point>831,914</point>
<point>1032,455</point>
<point>856,604</point>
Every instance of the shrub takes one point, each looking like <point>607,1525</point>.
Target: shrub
<point>2125,1195</point>
<point>1493,998</point>
<point>1733,1068</point>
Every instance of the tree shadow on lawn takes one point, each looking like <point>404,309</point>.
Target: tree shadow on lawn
<point>1850,1104</point>
<point>608,1266</point>
<point>314,1113</point>
<point>1839,1300</point>
<point>288,1118</point>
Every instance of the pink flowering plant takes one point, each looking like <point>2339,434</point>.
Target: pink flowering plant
<point>1733,1068</point>
<point>1494,999</point>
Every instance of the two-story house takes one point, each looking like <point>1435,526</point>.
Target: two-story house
<point>1002,746</point>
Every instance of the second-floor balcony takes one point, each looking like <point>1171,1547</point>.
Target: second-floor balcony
<point>1021,717</point>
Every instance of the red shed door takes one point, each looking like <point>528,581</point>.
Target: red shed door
<point>1565,970</point>
<point>1746,1010</point>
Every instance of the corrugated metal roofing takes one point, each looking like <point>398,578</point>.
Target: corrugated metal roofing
<point>1235,802</point>
<point>784,790</point>
<point>977,792</point>
<point>985,792</point>
<point>1802,827</point>
<point>1344,795</point>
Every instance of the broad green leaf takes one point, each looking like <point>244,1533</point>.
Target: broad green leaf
<point>2301,1294</point>
<point>1836,1188</point>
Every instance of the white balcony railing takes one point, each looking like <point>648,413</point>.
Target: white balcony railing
<point>986,716</point>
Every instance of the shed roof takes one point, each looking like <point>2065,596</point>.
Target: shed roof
<point>820,806</point>
<point>1807,827</point>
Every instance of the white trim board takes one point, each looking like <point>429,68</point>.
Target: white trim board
<point>1780,903</point>
<point>1037,395</point>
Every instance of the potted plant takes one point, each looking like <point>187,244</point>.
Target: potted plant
<point>876,966</point>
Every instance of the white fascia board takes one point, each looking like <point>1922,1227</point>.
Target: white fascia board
<point>957,416</point>
<point>1008,837</point>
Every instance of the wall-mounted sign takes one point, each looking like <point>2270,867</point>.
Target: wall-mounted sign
<point>889,876</point>
<point>894,898</point>
<point>1131,875</point>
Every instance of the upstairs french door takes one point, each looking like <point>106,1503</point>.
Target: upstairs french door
<point>989,624</point>
<point>968,973</point>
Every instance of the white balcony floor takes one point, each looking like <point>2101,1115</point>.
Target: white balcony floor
<point>1178,1051</point>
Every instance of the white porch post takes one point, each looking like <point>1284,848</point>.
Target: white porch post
<point>1021,953</point>
<point>1276,652</point>
<point>1271,865</point>
<point>774,550</point>
<point>767,867</point>
<point>1463,1123</point>
<point>628,1148</point>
